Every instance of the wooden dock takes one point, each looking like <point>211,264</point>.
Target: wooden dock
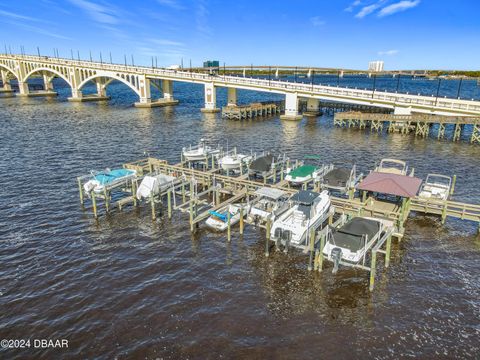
<point>197,192</point>
<point>419,124</point>
<point>240,112</point>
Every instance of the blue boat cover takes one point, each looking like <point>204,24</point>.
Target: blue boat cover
<point>107,177</point>
<point>220,216</point>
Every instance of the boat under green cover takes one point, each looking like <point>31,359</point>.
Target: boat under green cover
<point>302,171</point>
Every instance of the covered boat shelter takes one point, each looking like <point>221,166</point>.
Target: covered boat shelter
<point>402,187</point>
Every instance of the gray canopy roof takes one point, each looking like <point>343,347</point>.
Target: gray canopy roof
<point>350,235</point>
<point>337,177</point>
<point>305,197</point>
<point>262,164</point>
<point>270,193</point>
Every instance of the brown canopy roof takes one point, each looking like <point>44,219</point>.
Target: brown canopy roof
<point>392,184</point>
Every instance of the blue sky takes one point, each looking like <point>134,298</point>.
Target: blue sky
<point>406,34</point>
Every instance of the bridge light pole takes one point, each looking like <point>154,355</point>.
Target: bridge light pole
<point>374,83</point>
<point>269,75</point>
<point>438,90</point>
<point>312,78</point>
<point>111,62</point>
<point>38,50</point>
<point>133,61</point>
<point>78,55</point>
<point>398,82</point>
<point>459,86</point>
<point>90,55</point>
<point>101,59</point>
<point>338,78</point>
<point>71,53</point>
<point>295,74</point>
<point>125,56</point>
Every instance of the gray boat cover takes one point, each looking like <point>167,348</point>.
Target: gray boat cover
<point>338,177</point>
<point>350,235</point>
<point>262,164</point>
<point>305,197</point>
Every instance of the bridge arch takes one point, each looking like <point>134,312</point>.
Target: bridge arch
<point>9,69</point>
<point>49,70</point>
<point>110,78</point>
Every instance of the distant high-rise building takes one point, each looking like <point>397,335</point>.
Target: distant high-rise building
<point>375,66</point>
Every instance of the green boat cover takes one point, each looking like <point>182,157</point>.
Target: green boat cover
<point>302,171</point>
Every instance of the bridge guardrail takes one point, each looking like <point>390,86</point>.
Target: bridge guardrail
<point>311,89</point>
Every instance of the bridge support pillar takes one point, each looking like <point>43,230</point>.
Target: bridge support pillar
<point>23,88</point>
<point>6,89</point>
<point>232,97</point>
<point>291,108</point>
<point>146,100</point>
<point>401,110</point>
<point>313,107</point>
<point>5,81</point>
<point>47,83</point>
<point>210,99</point>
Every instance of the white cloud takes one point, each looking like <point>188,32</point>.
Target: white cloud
<point>388,52</point>
<point>201,18</point>
<point>397,7</point>
<point>16,16</point>
<point>174,4</point>
<point>37,30</point>
<point>367,10</point>
<point>166,42</point>
<point>317,21</point>
<point>99,13</point>
<point>353,5</point>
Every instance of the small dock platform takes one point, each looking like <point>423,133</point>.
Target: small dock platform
<point>240,112</point>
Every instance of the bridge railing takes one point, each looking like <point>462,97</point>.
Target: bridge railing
<point>267,84</point>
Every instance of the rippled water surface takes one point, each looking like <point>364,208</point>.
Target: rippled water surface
<point>127,287</point>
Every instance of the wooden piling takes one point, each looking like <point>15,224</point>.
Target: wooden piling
<point>372,269</point>
<point>169,203</point>
<point>107,202</point>
<point>320,252</point>
<point>387,251</point>
<point>241,221</point>
<point>312,250</point>
<point>267,239</point>
<point>152,205</point>
<point>80,191</point>
<point>229,231</point>
<point>454,181</point>
<point>94,203</point>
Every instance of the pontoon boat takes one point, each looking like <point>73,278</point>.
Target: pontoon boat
<point>154,184</point>
<point>100,180</point>
<point>436,187</point>
<point>199,152</point>
<point>392,166</point>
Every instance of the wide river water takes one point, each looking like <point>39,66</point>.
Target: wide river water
<point>127,287</point>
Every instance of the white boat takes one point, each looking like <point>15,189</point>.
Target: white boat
<point>392,166</point>
<point>218,219</point>
<point>108,178</point>
<point>308,211</point>
<point>349,243</point>
<point>154,184</point>
<point>199,152</point>
<point>234,161</point>
<point>268,203</point>
<point>306,172</point>
<point>436,187</point>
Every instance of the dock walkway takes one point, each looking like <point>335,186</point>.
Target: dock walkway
<point>421,124</point>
